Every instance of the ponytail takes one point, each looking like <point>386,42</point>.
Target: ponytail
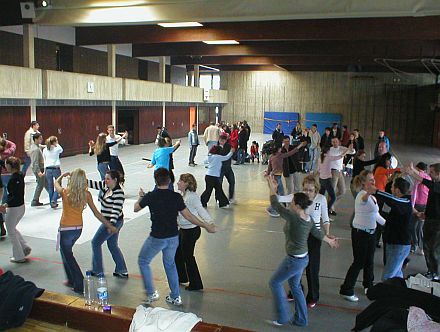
<point>360,179</point>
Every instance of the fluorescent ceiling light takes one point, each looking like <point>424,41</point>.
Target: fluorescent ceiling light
<point>180,24</point>
<point>211,68</point>
<point>221,42</point>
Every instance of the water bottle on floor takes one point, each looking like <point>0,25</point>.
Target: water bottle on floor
<point>102,290</point>
<point>89,292</point>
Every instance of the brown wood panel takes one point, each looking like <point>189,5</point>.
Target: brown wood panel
<point>73,125</point>
<point>177,120</point>
<point>149,118</point>
<point>14,123</point>
<point>206,115</point>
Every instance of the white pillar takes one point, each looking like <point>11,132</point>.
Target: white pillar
<point>111,60</point>
<point>28,46</point>
<point>114,119</point>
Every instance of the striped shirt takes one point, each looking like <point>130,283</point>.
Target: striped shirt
<point>111,205</point>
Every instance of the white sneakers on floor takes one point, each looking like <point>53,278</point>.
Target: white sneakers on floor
<point>350,298</point>
<point>151,298</point>
<point>176,301</point>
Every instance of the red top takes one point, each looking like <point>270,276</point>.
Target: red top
<point>381,175</point>
<point>254,149</point>
<point>345,138</point>
<point>233,139</point>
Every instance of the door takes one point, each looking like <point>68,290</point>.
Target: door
<point>128,120</point>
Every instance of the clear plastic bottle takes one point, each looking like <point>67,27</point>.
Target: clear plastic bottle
<point>101,290</point>
<point>89,289</point>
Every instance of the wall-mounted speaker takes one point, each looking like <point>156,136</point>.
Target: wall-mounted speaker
<point>27,9</point>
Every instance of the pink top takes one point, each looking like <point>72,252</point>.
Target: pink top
<point>9,151</point>
<point>420,192</point>
<point>324,168</point>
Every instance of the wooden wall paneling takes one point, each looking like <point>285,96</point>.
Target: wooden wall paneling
<point>192,117</point>
<point>177,120</point>
<point>127,67</point>
<point>149,118</point>
<point>14,123</point>
<point>153,71</point>
<point>88,61</point>
<point>11,49</point>
<point>45,54</point>
<point>20,83</point>
<point>74,126</point>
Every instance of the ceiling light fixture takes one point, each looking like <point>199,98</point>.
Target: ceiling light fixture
<point>210,68</point>
<point>180,24</point>
<point>221,42</point>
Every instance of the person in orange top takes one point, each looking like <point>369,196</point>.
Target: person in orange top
<point>382,171</point>
<point>75,199</point>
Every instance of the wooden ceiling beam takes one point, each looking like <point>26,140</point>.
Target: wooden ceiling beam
<point>390,28</point>
<point>384,49</point>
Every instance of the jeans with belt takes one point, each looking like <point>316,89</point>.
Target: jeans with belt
<point>290,269</point>
<point>100,237</point>
<point>363,245</point>
<point>52,173</point>
<point>73,271</point>
<point>103,168</point>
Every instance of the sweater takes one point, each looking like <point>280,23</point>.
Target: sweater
<point>296,229</point>
<point>52,157</point>
<point>381,176</point>
<point>215,164</point>
<point>420,192</point>
<point>192,202</point>
<point>111,206</point>
<point>275,165</point>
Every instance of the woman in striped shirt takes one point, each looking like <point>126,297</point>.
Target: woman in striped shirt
<point>111,197</point>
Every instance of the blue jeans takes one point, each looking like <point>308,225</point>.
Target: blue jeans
<point>5,180</point>
<point>102,169</point>
<point>395,255</point>
<point>313,153</point>
<point>112,243</point>
<point>290,269</point>
<point>26,164</point>
<point>326,185</point>
<point>241,158</point>
<point>51,174</point>
<point>152,246</point>
<point>73,271</point>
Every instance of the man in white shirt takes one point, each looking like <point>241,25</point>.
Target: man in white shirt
<point>115,163</point>
<point>28,141</point>
<point>314,147</point>
<point>382,149</point>
<point>337,167</point>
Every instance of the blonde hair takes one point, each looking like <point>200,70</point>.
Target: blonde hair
<point>77,189</point>
<point>312,180</point>
<point>100,143</point>
<point>360,179</point>
<point>51,142</point>
<point>190,180</point>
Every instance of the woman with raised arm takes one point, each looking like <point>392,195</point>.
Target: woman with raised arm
<point>75,199</point>
<point>102,151</point>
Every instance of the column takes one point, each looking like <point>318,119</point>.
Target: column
<point>111,71</point>
<point>197,75</point>
<point>162,76</point>
<point>29,60</point>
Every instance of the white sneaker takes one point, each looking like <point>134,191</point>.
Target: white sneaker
<point>151,298</point>
<point>225,206</point>
<point>232,201</point>
<point>352,298</point>
<point>274,323</point>
<point>272,212</point>
<point>175,301</point>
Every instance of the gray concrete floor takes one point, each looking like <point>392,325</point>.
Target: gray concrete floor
<point>236,262</point>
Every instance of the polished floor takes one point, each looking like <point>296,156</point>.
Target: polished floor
<point>236,262</point>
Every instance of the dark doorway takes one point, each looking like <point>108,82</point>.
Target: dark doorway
<point>128,120</point>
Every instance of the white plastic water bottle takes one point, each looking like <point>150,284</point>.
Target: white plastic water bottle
<point>89,292</point>
<point>102,290</point>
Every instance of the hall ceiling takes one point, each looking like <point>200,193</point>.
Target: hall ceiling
<point>313,35</point>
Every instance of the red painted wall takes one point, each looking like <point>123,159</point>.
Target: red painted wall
<point>14,121</point>
<point>149,118</point>
<point>73,125</point>
<point>177,120</point>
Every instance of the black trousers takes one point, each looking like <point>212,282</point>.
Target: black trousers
<point>115,164</point>
<point>192,153</point>
<point>363,245</point>
<point>213,182</point>
<point>229,174</point>
<point>185,261</point>
<point>431,244</point>
<point>312,270</point>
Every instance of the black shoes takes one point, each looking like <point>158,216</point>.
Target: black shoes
<point>120,275</point>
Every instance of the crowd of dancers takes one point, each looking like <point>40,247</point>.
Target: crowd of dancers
<point>308,165</point>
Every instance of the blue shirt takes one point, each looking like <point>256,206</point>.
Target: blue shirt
<point>161,157</point>
<point>215,164</point>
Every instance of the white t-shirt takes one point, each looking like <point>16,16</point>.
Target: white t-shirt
<point>115,148</point>
<point>366,214</point>
<point>192,202</point>
<point>338,164</point>
<point>52,157</point>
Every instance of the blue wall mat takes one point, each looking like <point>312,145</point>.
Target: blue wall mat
<point>322,120</point>
<point>288,121</point>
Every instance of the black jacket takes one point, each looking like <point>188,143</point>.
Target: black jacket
<point>289,163</point>
<point>433,204</point>
<point>397,228</point>
<point>224,151</point>
<point>16,299</point>
<point>242,139</point>
<point>278,136</point>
